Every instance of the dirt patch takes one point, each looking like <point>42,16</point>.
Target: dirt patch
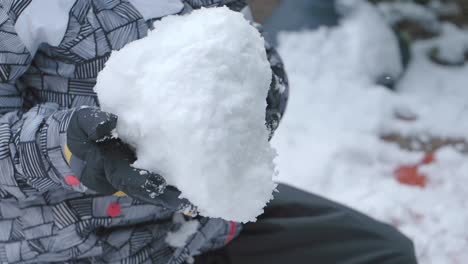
<point>425,143</point>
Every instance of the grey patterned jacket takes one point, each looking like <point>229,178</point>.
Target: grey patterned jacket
<point>50,54</point>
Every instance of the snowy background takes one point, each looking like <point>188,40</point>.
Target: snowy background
<point>356,142</point>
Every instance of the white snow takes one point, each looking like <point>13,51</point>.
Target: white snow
<point>397,11</point>
<point>426,16</point>
<point>453,45</point>
<point>436,94</point>
<point>190,98</point>
<point>329,139</point>
<point>378,38</point>
<point>179,237</point>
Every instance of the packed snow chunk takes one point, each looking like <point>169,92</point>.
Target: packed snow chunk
<point>191,99</point>
<point>179,237</point>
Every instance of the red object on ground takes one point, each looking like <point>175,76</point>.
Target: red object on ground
<point>114,210</point>
<point>72,180</point>
<point>428,159</point>
<point>409,175</point>
<point>232,232</point>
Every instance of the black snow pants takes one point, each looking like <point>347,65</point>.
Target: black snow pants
<point>303,228</point>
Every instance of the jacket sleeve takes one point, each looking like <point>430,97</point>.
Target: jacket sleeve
<point>279,89</point>
<point>31,159</point>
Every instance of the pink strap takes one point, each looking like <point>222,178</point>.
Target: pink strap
<point>232,232</point>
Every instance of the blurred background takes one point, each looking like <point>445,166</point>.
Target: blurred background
<point>378,111</point>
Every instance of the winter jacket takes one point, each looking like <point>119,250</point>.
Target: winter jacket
<point>50,54</point>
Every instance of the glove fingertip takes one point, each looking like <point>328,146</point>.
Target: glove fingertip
<point>94,123</point>
<point>104,128</point>
<point>154,185</point>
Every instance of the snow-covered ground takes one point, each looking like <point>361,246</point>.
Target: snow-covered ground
<point>329,140</point>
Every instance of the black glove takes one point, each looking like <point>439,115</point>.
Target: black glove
<point>103,163</point>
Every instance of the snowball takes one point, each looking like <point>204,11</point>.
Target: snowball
<point>191,99</point>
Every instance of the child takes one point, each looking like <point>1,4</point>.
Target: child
<point>67,198</point>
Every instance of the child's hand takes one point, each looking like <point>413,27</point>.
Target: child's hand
<point>103,163</point>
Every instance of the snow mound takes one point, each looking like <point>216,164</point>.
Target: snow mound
<point>381,56</point>
<point>190,98</point>
<point>329,140</point>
